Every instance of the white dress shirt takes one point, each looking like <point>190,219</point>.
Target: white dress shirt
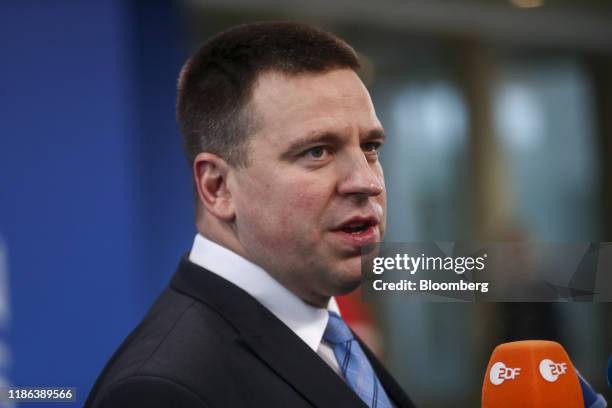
<point>306,321</point>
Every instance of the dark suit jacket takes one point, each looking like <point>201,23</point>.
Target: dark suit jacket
<point>207,343</point>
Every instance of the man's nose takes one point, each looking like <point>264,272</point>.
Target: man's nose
<point>359,177</point>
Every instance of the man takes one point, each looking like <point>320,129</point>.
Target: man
<point>283,141</point>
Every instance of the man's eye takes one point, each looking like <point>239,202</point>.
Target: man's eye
<point>371,147</point>
<point>316,152</point>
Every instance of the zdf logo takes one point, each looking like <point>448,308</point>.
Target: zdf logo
<point>550,370</point>
<point>500,373</point>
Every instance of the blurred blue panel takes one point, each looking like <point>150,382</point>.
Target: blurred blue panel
<point>164,173</point>
<point>93,215</point>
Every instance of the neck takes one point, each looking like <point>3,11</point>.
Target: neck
<point>220,233</point>
<point>225,236</point>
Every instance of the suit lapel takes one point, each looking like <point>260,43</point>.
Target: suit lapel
<point>303,369</point>
<point>267,337</point>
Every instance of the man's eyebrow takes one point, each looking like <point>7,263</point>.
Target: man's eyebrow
<point>378,133</point>
<point>310,140</point>
<point>327,137</point>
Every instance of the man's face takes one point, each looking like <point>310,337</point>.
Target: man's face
<point>312,193</point>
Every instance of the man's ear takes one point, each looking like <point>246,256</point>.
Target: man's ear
<point>210,176</point>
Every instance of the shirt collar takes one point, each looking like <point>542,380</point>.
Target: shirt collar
<point>306,321</point>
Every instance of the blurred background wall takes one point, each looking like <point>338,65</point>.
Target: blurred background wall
<point>499,123</point>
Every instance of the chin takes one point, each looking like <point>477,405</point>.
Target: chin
<point>346,282</point>
<point>347,288</point>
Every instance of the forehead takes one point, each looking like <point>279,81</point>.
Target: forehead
<point>294,104</point>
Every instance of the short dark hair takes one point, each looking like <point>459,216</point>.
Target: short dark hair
<point>216,83</point>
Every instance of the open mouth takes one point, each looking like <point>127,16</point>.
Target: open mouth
<point>357,227</point>
<point>357,232</point>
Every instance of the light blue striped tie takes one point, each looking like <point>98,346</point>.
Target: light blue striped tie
<point>356,368</point>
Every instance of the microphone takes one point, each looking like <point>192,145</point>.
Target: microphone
<point>535,374</point>
<point>589,396</point>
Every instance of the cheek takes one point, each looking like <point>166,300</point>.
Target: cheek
<point>284,215</point>
<point>311,196</point>
<point>300,208</point>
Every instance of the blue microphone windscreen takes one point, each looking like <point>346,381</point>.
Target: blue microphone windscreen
<point>590,397</point>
